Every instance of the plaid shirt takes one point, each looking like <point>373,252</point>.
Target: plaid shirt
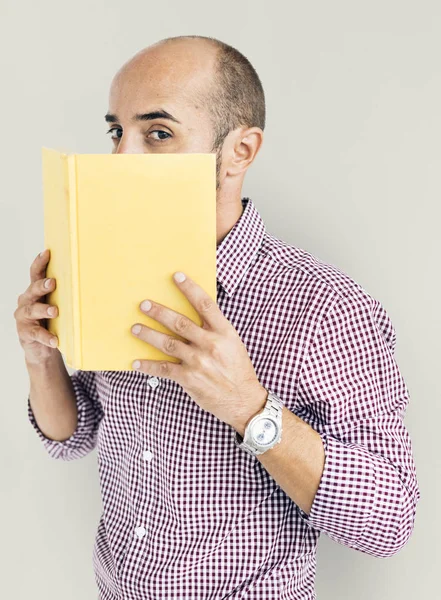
<point>187,514</point>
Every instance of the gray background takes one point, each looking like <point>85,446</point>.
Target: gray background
<point>349,170</point>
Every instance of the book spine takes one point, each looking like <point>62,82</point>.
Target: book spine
<point>75,260</point>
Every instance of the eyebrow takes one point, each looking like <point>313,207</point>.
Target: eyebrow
<point>157,114</point>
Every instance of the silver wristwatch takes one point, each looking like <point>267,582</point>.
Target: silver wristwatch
<point>264,430</point>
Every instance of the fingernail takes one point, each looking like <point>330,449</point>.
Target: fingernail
<point>41,253</point>
<point>179,276</point>
<point>53,342</point>
<point>47,283</point>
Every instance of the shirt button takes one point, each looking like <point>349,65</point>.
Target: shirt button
<point>141,531</point>
<point>153,382</point>
<point>147,455</point>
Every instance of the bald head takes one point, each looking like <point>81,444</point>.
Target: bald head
<point>185,67</point>
<point>203,88</point>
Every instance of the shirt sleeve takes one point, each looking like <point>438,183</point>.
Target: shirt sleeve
<point>90,413</point>
<point>352,393</point>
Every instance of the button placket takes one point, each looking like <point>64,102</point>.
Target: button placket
<point>147,455</point>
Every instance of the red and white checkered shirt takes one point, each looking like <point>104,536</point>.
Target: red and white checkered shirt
<point>187,514</point>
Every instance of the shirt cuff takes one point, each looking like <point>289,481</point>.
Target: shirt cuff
<point>345,497</point>
<point>83,439</point>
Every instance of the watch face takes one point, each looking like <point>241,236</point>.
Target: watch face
<point>264,431</point>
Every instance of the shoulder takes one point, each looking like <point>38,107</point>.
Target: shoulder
<point>338,290</point>
<point>337,282</point>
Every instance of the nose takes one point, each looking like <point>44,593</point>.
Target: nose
<point>130,145</point>
<point>128,149</point>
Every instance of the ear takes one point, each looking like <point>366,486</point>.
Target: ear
<point>246,144</point>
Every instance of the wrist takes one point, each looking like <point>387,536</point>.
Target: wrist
<point>257,401</point>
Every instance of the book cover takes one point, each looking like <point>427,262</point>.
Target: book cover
<point>118,226</point>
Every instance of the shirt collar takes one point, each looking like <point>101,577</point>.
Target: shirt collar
<point>238,248</point>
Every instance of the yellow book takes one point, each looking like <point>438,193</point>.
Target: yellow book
<point>118,226</point>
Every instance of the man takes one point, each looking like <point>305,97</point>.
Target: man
<point>194,506</point>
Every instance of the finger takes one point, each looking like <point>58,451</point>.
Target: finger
<point>206,307</point>
<point>36,290</point>
<point>167,343</point>
<point>35,311</point>
<point>175,322</point>
<point>35,333</point>
<point>160,368</point>
<point>38,266</point>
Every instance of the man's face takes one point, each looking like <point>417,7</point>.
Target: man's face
<point>154,102</point>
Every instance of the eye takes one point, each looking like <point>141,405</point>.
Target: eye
<point>161,132</point>
<point>113,129</point>
<point>163,135</point>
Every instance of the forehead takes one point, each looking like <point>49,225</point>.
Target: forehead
<point>176,82</point>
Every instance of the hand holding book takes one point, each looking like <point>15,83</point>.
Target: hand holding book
<point>214,367</point>
<point>31,314</point>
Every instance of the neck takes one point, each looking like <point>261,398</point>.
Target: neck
<point>227,214</point>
